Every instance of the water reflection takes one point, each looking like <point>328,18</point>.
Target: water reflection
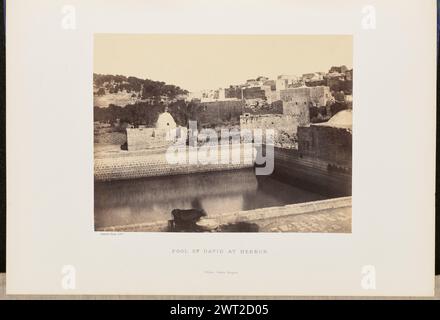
<point>152,199</point>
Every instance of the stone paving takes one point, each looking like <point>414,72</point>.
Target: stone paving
<point>331,220</point>
<point>322,216</point>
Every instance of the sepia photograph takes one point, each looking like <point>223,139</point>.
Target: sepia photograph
<point>222,133</point>
<point>220,150</point>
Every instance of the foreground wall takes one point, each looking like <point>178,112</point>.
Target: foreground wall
<point>332,215</point>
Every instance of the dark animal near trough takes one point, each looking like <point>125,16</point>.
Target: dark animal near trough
<point>186,219</point>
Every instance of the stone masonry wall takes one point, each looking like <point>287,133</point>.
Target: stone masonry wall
<point>312,173</point>
<point>139,164</point>
<point>289,165</point>
<point>331,144</point>
<point>263,217</point>
<point>309,96</point>
<point>145,138</point>
<point>300,112</point>
<point>215,112</point>
<point>284,125</point>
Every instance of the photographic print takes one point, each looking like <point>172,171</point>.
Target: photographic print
<point>222,133</point>
<point>221,149</point>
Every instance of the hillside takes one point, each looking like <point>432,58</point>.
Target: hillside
<point>121,90</point>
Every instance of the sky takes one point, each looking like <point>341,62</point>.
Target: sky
<point>198,62</point>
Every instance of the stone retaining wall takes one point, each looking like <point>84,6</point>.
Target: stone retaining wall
<point>263,214</point>
<point>312,173</point>
<point>289,165</point>
<point>138,164</point>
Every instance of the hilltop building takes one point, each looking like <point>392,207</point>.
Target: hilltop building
<point>310,96</point>
<point>284,125</point>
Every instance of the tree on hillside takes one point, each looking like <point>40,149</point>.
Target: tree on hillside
<point>147,88</point>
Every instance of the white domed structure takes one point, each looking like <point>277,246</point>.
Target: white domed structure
<point>165,121</point>
<point>342,119</point>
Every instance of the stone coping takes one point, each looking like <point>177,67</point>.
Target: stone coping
<point>248,215</point>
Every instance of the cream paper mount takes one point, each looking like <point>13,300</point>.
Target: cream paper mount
<point>99,93</point>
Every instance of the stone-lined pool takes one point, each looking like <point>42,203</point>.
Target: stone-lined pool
<point>152,199</point>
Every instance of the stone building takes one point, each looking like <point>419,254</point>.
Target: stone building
<point>285,81</point>
<point>234,92</point>
<point>254,93</point>
<point>310,96</point>
<point>212,113</point>
<point>329,141</point>
<point>221,94</point>
<point>291,78</point>
<point>284,125</point>
<point>281,84</point>
<point>300,111</point>
<point>271,84</point>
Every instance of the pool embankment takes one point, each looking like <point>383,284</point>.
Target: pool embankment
<point>330,215</point>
